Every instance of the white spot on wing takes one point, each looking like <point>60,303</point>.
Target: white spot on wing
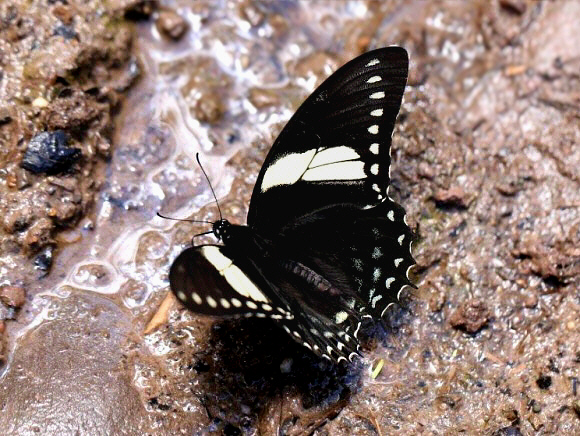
<point>225,303</point>
<point>398,261</point>
<point>287,170</point>
<point>391,215</point>
<point>377,113</point>
<point>334,155</point>
<point>195,296</point>
<point>389,282</point>
<point>374,79</point>
<point>377,95</point>
<point>372,62</point>
<point>251,305</point>
<point>375,169</point>
<point>340,317</point>
<point>377,253</point>
<point>211,301</point>
<point>374,129</point>
<point>400,239</point>
<point>181,295</point>
<point>376,274</point>
<point>376,300</point>
<point>349,170</point>
<point>236,302</point>
<point>374,148</point>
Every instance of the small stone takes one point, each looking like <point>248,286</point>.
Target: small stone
<point>517,7</point>
<point>49,153</point>
<point>544,381</point>
<point>209,109</point>
<point>38,235</point>
<point>171,25</point>
<point>576,407</point>
<point>13,296</point>
<point>425,171</point>
<point>2,326</point>
<point>508,431</point>
<point>531,301</point>
<point>138,9</point>
<point>43,261</point>
<point>40,102</point>
<point>453,197</point>
<point>64,13</point>
<point>536,407</point>
<point>262,98</point>
<point>67,32</point>
<point>471,316</point>
<point>5,116</point>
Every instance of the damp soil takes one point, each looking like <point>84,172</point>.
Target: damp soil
<point>103,106</point>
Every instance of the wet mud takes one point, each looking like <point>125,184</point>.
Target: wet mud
<point>102,110</point>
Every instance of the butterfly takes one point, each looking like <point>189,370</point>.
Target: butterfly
<point>324,246</point>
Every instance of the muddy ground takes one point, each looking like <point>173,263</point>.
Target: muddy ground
<point>103,106</point>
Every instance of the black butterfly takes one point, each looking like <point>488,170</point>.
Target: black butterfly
<point>325,246</point>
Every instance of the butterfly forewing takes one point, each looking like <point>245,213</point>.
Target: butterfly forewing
<point>336,148</point>
<point>210,280</point>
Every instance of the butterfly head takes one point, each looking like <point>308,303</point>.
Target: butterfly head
<point>221,229</point>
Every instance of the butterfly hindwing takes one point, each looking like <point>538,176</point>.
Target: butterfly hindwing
<point>364,254</point>
<point>210,280</point>
<point>214,280</point>
<point>336,147</point>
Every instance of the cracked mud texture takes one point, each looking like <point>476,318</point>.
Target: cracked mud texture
<point>485,161</point>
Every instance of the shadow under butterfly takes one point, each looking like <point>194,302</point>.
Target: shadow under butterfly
<point>325,247</point>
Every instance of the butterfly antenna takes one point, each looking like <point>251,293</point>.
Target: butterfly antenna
<point>182,219</point>
<point>209,183</point>
<point>199,234</point>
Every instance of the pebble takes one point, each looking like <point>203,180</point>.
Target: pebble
<point>49,153</point>
<point>171,25</point>
<point>13,296</point>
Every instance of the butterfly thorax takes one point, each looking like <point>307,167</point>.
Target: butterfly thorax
<point>242,239</point>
